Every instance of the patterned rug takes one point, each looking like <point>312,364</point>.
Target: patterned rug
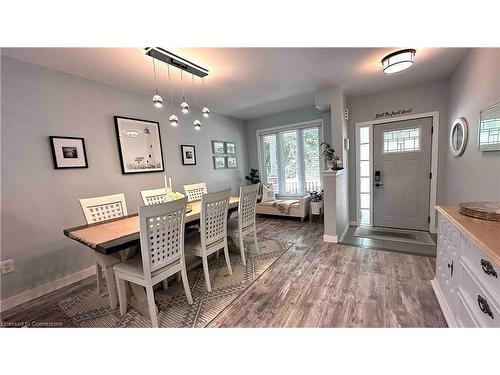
<point>91,309</point>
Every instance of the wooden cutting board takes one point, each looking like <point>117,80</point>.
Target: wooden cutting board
<point>481,210</point>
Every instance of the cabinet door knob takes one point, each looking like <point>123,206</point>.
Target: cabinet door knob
<point>450,266</point>
<point>488,268</point>
<point>483,305</point>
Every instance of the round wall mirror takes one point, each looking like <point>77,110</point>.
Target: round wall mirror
<point>458,136</point>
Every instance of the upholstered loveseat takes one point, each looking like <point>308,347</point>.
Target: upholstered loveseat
<point>299,209</point>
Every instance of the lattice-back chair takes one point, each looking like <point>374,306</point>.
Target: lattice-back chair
<point>213,231</point>
<point>162,249</point>
<point>245,223</point>
<point>154,196</point>
<point>100,209</point>
<point>194,192</point>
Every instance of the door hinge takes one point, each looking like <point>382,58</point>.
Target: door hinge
<point>430,175</point>
<point>432,129</point>
<point>428,219</point>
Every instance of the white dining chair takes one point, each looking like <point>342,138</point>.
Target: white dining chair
<point>244,224</point>
<point>154,196</point>
<point>100,209</point>
<point>194,192</point>
<point>213,231</point>
<point>162,253</point>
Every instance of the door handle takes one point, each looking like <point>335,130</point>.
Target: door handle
<point>378,184</point>
<point>450,266</point>
<point>484,307</point>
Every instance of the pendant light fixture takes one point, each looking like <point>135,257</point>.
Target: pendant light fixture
<point>184,104</point>
<point>157,99</point>
<point>205,110</point>
<point>196,122</point>
<point>398,61</point>
<point>174,121</point>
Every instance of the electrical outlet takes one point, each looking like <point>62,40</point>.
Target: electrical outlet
<point>7,266</point>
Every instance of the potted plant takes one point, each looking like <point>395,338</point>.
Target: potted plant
<point>253,177</point>
<point>328,154</point>
<point>316,201</point>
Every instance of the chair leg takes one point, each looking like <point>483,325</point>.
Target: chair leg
<point>185,282</point>
<point>228,261</point>
<point>110,280</point>
<point>217,254</point>
<point>98,273</point>
<point>206,272</point>
<point>242,250</point>
<point>164,284</point>
<point>256,241</point>
<point>178,277</point>
<point>122,294</point>
<point>152,306</point>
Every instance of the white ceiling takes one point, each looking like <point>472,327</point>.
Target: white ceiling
<point>249,82</point>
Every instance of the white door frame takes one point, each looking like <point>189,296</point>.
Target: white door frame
<point>434,162</point>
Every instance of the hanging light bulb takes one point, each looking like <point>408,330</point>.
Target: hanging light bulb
<point>157,99</point>
<point>184,104</point>
<point>174,121</point>
<point>196,122</point>
<point>205,110</point>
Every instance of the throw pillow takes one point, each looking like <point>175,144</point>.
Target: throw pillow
<point>268,193</point>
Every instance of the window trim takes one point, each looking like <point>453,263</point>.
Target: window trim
<point>259,133</point>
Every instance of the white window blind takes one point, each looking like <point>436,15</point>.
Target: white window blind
<point>290,159</point>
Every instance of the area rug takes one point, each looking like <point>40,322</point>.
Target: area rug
<point>398,235</point>
<point>91,309</point>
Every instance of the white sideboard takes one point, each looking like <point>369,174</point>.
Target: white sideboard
<point>467,282</point>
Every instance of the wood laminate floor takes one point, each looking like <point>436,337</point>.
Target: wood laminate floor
<point>316,284</point>
<point>313,284</point>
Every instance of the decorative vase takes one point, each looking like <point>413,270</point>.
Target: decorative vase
<point>316,207</point>
<point>329,164</point>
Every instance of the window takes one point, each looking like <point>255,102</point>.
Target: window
<point>404,140</point>
<point>364,175</point>
<point>290,159</point>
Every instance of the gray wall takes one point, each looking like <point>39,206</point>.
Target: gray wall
<point>474,85</point>
<point>38,202</point>
<point>422,98</point>
<point>284,118</point>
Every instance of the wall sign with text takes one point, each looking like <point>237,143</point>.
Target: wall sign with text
<point>393,113</point>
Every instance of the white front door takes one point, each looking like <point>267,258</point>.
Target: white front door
<point>401,174</point>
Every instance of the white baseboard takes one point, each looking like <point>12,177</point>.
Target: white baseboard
<point>42,290</point>
<point>332,239</point>
<point>345,232</point>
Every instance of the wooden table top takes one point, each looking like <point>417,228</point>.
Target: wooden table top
<point>484,234</point>
<point>130,237</point>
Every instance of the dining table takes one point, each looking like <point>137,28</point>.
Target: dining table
<point>115,235</point>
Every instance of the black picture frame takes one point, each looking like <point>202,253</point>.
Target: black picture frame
<point>54,152</point>
<point>120,148</point>
<point>183,154</point>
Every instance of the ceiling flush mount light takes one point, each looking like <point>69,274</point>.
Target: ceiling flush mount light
<point>157,99</point>
<point>398,61</point>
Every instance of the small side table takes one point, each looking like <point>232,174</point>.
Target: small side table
<point>320,216</point>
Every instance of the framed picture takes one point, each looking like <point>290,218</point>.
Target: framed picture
<point>218,147</point>
<point>231,162</point>
<point>230,148</point>
<point>219,162</point>
<point>188,155</point>
<point>139,143</point>
<point>68,152</point>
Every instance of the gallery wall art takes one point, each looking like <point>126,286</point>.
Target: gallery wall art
<point>139,145</point>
